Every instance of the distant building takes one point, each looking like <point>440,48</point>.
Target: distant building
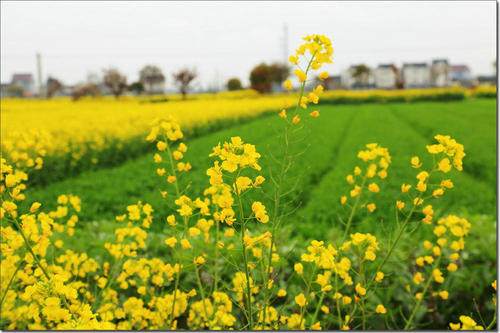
<point>4,90</point>
<point>65,91</point>
<point>153,80</point>
<point>12,90</point>
<point>487,79</point>
<point>346,78</point>
<point>154,88</point>
<point>440,73</point>
<point>385,76</point>
<point>26,82</point>
<point>417,75</point>
<point>460,73</point>
<point>332,83</point>
<point>349,81</point>
<point>277,87</point>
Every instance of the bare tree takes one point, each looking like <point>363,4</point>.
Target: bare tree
<point>151,76</point>
<point>183,79</point>
<point>84,89</point>
<point>115,81</point>
<point>53,86</point>
<point>398,80</point>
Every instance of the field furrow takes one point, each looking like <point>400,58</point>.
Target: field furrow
<point>472,123</point>
<point>381,125</point>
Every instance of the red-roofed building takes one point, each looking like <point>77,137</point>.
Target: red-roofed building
<point>460,73</point>
<point>26,82</point>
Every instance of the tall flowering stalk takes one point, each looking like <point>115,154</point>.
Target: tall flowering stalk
<point>234,157</point>
<point>320,51</point>
<point>169,132</point>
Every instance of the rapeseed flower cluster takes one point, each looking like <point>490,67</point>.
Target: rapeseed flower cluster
<point>333,275</point>
<point>443,253</point>
<point>466,324</point>
<point>320,51</point>
<point>376,161</point>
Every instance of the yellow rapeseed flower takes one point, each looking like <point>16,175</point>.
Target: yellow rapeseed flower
<point>323,76</point>
<point>300,75</point>
<point>298,268</point>
<point>300,300</point>
<point>281,293</point>
<point>380,309</point>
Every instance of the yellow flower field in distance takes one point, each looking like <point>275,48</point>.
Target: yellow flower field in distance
<point>61,127</point>
<point>61,123</point>
<point>390,95</point>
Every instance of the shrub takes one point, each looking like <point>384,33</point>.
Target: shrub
<point>234,84</point>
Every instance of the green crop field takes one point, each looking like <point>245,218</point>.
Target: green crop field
<point>331,147</point>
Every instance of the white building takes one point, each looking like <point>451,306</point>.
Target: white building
<point>417,75</point>
<point>385,77</point>
<point>349,81</point>
<point>154,87</point>
<point>440,73</point>
<point>346,79</point>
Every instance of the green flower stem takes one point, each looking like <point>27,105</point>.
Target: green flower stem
<point>401,230</point>
<point>35,257</point>
<point>200,287</point>
<point>400,233</point>
<point>410,320</point>
<point>177,191</point>
<point>8,285</point>
<point>277,198</point>
<point>99,298</point>
<point>317,308</point>
<point>216,254</point>
<point>360,268</point>
<point>169,153</point>
<point>245,260</point>
<point>490,326</point>
<point>303,308</point>
<point>337,301</point>
<point>349,221</point>
<point>176,286</point>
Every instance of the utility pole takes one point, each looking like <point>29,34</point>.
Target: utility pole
<point>217,81</point>
<point>40,81</point>
<point>285,44</point>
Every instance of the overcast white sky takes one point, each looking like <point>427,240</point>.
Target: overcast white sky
<point>226,39</point>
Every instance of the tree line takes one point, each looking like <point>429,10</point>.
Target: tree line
<point>152,80</point>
